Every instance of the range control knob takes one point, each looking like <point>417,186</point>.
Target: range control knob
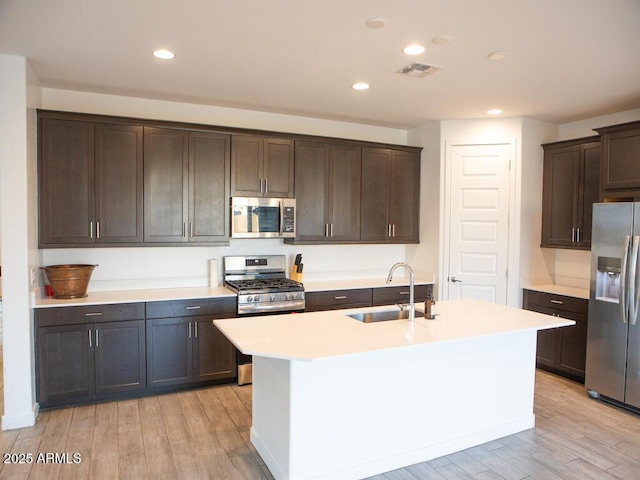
<point>256,298</point>
<point>272,298</point>
<point>249,299</point>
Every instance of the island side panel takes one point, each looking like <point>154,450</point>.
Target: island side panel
<point>358,415</point>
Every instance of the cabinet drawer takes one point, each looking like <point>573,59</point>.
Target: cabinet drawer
<point>219,307</point>
<point>336,299</point>
<point>390,295</point>
<point>558,302</point>
<point>89,314</point>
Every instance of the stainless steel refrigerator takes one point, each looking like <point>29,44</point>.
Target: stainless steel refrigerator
<point>613,335</point>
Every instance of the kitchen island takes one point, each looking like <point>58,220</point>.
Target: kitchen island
<point>334,398</point>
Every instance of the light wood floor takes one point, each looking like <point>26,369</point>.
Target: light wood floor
<point>204,434</point>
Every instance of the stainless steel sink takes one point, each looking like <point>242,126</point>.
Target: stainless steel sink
<point>384,315</point>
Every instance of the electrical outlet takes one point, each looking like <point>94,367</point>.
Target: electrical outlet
<point>33,275</point>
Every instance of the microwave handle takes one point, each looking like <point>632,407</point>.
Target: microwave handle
<point>281,218</point>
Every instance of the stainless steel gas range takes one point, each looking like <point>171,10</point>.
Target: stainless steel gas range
<point>263,289</point>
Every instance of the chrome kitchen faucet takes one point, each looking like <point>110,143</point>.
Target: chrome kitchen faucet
<point>412,307</point>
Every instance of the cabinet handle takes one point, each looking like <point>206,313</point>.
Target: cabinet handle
<point>573,234</point>
<point>260,185</point>
<point>557,302</point>
<point>93,314</point>
<point>266,185</point>
<point>393,229</point>
<point>578,234</point>
<point>404,293</point>
<point>388,230</point>
<point>331,229</point>
<point>97,229</point>
<point>326,229</point>
<point>195,329</point>
<point>189,329</point>
<point>90,342</point>
<point>341,297</point>
<point>184,230</point>
<point>194,307</point>
<point>90,229</point>
<point>191,229</point>
<point>97,337</point>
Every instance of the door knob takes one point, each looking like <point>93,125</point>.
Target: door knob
<point>454,280</point>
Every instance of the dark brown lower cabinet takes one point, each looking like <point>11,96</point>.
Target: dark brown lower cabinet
<point>185,349</point>
<point>561,350</point>
<point>364,297</point>
<point>88,361</point>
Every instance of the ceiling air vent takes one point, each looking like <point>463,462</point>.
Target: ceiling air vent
<point>419,70</point>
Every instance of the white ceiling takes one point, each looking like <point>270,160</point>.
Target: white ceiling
<point>566,59</point>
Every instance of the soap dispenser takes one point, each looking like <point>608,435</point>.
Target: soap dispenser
<point>429,307</point>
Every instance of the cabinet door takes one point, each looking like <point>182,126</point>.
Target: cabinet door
<point>589,190</point>
<point>560,195</point>
<point>404,197</point>
<point>278,168</point>
<point>169,351</point>
<point>65,364</point>
<point>214,357</point>
<point>376,171</point>
<point>247,153</point>
<point>573,345</point>
<point>547,348</point>
<point>120,363</point>
<point>208,187</point>
<point>165,185</point>
<point>66,157</point>
<point>118,183</point>
<point>312,190</point>
<point>344,193</point>
<point>621,159</point>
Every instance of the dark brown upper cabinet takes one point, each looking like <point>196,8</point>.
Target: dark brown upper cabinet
<point>90,179</point>
<point>327,193</point>
<point>390,196</point>
<point>571,185</point>
<point>621,161</point>
<point>185,188</point>
<point>262,167</point>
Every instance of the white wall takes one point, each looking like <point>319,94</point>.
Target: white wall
<point>424,257</point>
<point>19,96</point>
<point>536,264</point>
<point>584,128</point>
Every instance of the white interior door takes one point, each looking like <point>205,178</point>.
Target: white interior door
<point>479,222</point>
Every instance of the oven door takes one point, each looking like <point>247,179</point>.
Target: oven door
<point>262,217</point>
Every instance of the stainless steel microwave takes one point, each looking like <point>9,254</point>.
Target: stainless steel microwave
<point>263,217</point>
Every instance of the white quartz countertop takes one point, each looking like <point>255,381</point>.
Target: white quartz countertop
<point>351,284</point>
<point>316,335</point>
<point>560,290</point>
<point>132,296</point>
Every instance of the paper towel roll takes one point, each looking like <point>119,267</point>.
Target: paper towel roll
<point>213,273</point>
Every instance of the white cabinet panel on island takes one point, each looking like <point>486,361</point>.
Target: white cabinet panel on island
<point>334,398</point>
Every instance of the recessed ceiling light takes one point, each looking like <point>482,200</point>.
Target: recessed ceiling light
<point>360,86</point>
<point>376,22</point>
<point>497,55</point>
<point>413,49</point>
<point>164,54</point>
<point>494,111</point>
<point>442,39</point>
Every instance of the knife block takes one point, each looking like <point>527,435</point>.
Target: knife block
<point>295,275</point>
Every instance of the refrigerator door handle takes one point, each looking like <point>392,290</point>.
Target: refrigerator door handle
<point>634,292</point>
<point>623,279</point>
